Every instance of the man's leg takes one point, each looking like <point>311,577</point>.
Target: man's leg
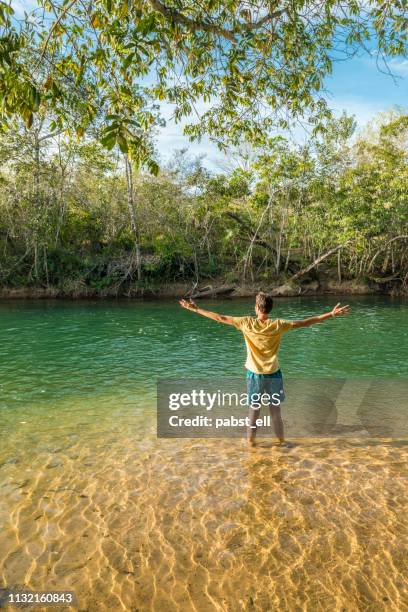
<point>253,415</point>
<point>275,413</point>
<point>253,390</point>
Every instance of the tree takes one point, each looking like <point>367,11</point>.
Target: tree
<point>132,213</point>
<point>255,65</point>
<point>374,203</point>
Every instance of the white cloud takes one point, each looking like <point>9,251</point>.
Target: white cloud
<point>364,110</point>
<point>21,6</point>
<point>399,66</point>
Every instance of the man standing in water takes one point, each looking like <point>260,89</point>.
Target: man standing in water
<point>262,337</point>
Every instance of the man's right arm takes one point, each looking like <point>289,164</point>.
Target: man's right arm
<point>190,305</point>
<point>337,311</point>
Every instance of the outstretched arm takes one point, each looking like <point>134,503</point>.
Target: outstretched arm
<point>190,305</point>
<point>337,311</point>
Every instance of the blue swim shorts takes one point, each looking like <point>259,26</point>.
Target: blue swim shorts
<point>270,386</point>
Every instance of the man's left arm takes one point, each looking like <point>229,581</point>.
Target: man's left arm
<point>337,311</point>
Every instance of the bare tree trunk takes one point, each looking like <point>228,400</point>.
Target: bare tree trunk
<point>61,212</point>
<point>385,262</point>
<point>46,266</point>
<point>316,262</point>
<point>37,197</point>
<point>280,240</point>
<point>248,255</point>
<point>287,258</point>
<point>62,200</point>
<point>339,265</point>
<point>38,192</point>
<point>196,268</point>
<point>132,215</point>
<point>278,250</point>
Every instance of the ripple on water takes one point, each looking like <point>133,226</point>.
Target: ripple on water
<point>203,525</point>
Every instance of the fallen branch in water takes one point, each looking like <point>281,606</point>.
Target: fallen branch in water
<point>385,279</point>
<point>212,292</point>
<point>317,261</point>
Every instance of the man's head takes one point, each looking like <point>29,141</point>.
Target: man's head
<point>263,304</point>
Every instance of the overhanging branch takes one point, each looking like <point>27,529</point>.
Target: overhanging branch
<point>199,25</point>
<point>191,24</point>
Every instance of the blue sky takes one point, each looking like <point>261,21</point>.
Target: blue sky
<point>359,87</point>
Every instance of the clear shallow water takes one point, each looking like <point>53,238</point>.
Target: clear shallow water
<point>90,500</point>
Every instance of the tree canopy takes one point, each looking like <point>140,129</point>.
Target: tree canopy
<point>236,68</point>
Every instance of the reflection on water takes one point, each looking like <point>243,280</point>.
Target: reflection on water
<point>92,501</point>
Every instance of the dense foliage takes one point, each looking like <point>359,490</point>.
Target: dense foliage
<point>247,66</point>
<point>79,218</point>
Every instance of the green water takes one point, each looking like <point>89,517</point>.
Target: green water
<point>92,501</point>
<point>54,352</point>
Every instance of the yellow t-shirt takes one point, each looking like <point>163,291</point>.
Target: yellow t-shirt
<point>262,340</point>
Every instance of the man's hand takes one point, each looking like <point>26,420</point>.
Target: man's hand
<point>339,310</point>
<point>188,304</point>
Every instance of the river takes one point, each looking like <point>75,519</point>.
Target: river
<point>92,501</point>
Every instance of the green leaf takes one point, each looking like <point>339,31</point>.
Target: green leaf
<point>123,144</point>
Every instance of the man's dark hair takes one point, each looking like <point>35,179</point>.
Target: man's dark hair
<point>264,302</point>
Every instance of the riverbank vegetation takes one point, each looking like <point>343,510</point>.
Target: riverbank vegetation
<point>83,207</point>
<point>76,219</point>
